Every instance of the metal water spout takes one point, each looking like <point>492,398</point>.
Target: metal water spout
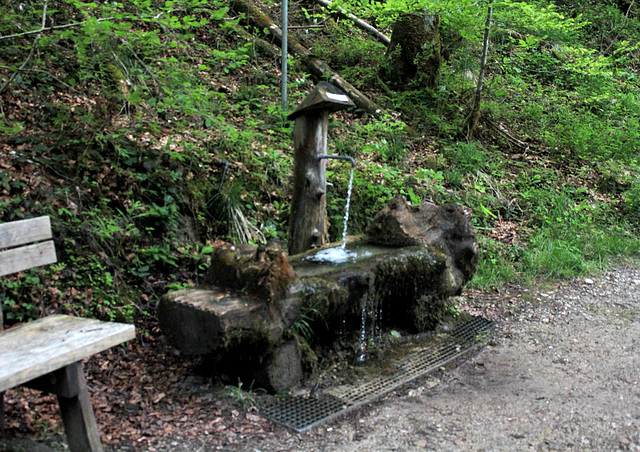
<point>339,157</point>
<point>308,225</point>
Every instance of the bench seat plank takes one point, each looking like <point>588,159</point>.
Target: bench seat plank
<point>50,343</point>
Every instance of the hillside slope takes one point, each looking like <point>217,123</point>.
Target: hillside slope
<point>148,132</point>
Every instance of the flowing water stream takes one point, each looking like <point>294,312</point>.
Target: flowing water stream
<point>346,210</point>
<point>339,254</point>
<point>371,312</point>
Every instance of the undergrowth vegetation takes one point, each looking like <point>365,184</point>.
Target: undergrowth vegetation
<point>150,130</point>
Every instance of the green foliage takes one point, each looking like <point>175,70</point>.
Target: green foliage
<point>132,110</point>
<point>123,125</point>
<point>303,325</point>
<point>497,263</point>
<point>468,157</point>
<point>622,180</point>
<point>356,58</point>
<point>247,398</point>
<point>19,297</point>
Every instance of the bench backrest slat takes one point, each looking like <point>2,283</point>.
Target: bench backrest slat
<point>23,232</point>
<point>16,233</point>
<point>26,257</point>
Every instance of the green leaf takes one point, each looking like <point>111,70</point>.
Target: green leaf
<point>219,14</point>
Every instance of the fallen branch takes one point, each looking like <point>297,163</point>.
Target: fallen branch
<point>54,27</point>
<point>256,17</point>
<point>502,131</point>
<point>357,22</point>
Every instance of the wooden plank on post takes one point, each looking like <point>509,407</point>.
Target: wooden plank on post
<point>16,233</point>
<point>77,413</point>
<point>26,257</point>
<point>308,226</point>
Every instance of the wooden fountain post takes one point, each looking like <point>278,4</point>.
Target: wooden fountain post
<point>308,223</point>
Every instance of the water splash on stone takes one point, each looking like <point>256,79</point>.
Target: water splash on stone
<point>338,255</point>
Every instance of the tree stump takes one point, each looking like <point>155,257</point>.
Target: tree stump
<point>414,51</point>
<point>446,228</point>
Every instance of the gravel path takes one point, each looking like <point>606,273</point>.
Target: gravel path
<point>561,373</point>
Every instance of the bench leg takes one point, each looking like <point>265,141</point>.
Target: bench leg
<point>77,412</point>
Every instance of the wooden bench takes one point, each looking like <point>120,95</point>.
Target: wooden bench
<point>46,354</point>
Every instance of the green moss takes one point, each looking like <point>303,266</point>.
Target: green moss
<point>309,359</point>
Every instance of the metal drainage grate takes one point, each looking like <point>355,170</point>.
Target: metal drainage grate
<point>302,413</point>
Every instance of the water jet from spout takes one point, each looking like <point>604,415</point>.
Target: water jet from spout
<point>346,212</point>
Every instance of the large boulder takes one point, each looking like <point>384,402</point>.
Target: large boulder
<point>446,228</point>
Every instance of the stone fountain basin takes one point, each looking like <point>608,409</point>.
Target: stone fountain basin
<point>256,340</point>
<point>391,278</point>
<point>254,315</point>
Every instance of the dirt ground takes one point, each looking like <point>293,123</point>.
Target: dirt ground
<point>560,371</point>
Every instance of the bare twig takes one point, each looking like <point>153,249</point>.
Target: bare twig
<point>148,70</point>
<point>55,27</point>
<point>33,49</point>
<point>624,24</point>
<point>53,77</point>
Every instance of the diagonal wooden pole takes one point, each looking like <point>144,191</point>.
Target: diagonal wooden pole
<point>258,18</point>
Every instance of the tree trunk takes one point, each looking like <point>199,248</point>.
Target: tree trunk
<point>474,116</point>
<point>256,17</point>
